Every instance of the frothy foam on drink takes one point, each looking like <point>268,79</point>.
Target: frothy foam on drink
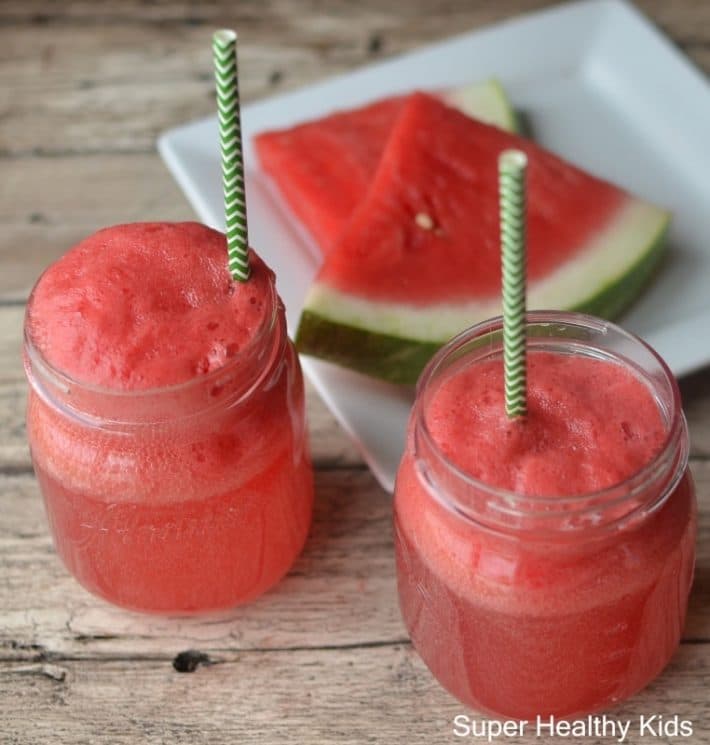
<point>146,305</point>
<point>590,424</point>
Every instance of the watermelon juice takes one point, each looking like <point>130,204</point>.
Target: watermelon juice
<point>166,420</point>
<point>544,564</point>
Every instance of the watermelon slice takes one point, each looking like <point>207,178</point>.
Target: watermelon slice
<point>419,260</point>
<point>324,168</point>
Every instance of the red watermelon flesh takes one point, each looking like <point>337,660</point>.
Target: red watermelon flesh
<point>428,231</point>
<point>324,168</point>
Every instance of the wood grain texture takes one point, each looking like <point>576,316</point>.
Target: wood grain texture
<point>49,204</point>
<point>134,69</point>
<point>346,697</point>
<point>85,87</point>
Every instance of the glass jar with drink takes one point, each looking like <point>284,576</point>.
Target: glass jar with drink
<point>544,563</point>
<point>166,420</point>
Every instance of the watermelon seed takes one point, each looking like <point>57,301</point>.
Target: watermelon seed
<point>424,221</point>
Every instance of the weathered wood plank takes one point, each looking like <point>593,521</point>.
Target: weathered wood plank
<point>265,16</point>
<point>695,391</point>
<point>167,71</point>
<point>337,697</point>
<point>11,320</point>
<point>133,70</point>
<point>76,197</point>
<point>87,192</point>
<point>14,453</point>
<point>682,18</point>
<point>341,591</point>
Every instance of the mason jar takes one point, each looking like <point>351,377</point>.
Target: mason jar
<point>545,605</point>
<point>180,499</point>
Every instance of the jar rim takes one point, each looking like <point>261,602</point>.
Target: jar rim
<point>607,495</point>
<point>65,381</point>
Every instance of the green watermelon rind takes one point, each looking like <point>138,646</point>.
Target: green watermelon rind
<point>400,360</point>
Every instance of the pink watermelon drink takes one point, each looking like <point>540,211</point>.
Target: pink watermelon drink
<point>544,564</point>
<point>166,420</point>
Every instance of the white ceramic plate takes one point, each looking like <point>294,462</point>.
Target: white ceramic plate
<point>597,83</point>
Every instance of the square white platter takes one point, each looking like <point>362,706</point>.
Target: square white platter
<point>597,84</point>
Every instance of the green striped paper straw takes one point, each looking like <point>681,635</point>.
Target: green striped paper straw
<point>224,49</point>
<point>512,165</point>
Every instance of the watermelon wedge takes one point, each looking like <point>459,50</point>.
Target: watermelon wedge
<point>324,168</point>
<point>419,261</point>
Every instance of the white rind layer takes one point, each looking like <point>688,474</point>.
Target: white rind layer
<point>603,261</point>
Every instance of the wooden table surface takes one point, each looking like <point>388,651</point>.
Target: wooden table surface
<point>85,87</point>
